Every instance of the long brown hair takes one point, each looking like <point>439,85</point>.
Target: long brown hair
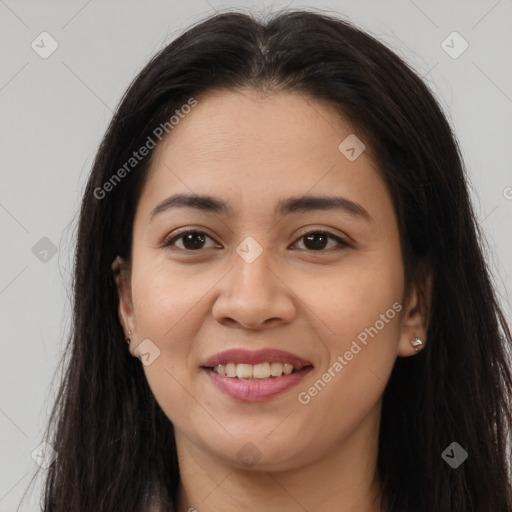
<point>115,445</point>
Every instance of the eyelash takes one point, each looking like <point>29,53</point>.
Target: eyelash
<point>342,244</point>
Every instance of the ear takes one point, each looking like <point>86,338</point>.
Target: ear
<point>415,317</point>
<point>121,271</point>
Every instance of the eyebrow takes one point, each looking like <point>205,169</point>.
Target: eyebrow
<point>211,204</point>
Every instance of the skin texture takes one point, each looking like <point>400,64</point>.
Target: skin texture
<point>252,150</point>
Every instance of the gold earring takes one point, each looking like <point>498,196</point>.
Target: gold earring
<point>417,344</point>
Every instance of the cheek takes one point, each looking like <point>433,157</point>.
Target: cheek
<point>353,295</point>
<point>165,300</point>
<point>358,310</point>
<point>166,307</point>
<point>361,355</point>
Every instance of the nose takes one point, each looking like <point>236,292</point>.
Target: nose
<point>254,296</point>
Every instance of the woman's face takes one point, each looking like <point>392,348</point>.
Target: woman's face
<point>280,277</point>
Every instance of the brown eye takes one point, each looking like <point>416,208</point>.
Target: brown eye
<point>318,241</point>
<point>192,240</point>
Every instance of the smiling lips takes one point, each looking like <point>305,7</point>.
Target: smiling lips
<point>255,376</point>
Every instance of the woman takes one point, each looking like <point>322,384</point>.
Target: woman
<point>278,223</point>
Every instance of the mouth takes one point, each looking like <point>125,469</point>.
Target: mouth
<point>255,376</point>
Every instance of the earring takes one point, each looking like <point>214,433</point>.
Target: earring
<point>417,344</point>
<point>128,340</point>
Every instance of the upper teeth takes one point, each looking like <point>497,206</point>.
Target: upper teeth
<point>254,371</point>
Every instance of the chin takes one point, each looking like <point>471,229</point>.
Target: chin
<point>258,452</point>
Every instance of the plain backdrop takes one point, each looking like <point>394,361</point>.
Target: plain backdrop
<point>54,111</point>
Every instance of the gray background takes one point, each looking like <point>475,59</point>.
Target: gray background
<point>54,111</point>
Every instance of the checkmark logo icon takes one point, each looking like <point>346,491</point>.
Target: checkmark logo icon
<point>454,455</point>
<point>249,249</point>
<point>351,147</point>
<point>44,45</point>
<point>146,352</point>
<point>454,45</point>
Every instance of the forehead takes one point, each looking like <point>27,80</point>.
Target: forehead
<point>252,149</point>
<point>239,124</point>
